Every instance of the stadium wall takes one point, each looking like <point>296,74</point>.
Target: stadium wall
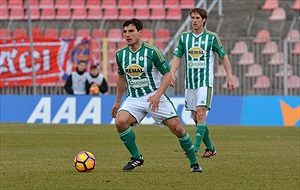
<point>225,110</point>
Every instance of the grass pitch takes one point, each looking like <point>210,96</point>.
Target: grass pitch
<point>41,157</point>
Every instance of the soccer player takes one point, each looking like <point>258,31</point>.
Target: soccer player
<point>199,45</point>
<point>140,68</point>
<point>97,79</point>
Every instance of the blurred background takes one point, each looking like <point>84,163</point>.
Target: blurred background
<point>261,38</point>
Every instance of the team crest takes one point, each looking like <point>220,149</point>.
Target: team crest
<point>195,52</point>
<point>134,70</point>
<point>80,52</point>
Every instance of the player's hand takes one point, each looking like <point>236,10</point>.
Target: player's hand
<point>114,109</point>
<point>173,81</point>
<point>230,85</point>
<point>153,102</point>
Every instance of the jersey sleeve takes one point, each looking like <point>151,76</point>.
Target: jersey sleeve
<point>179,50</point>
<point>119,63</point>
<point>160,61</point>
<point>217,46</point>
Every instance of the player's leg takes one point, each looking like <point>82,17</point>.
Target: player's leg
<point>200,127</point>
<point>191,105</point>
<point>130,113</point>
<point>204,97</point>
<point>167,115</point>
<point>127,135</point>
<point>185,141</point>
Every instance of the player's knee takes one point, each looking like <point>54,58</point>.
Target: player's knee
<point>121,123</point>
<point>201,114</point>
<point>179,131</point>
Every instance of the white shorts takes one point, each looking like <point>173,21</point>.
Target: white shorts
<point>139,108</point>
<point>198,97</point>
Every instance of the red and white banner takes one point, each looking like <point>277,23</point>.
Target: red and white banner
<point>54,60</point>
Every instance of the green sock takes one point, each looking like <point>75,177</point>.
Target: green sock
<point>187,145</point>
<point>128,138</point>
<point>199,135</point>
<point>206,140</point>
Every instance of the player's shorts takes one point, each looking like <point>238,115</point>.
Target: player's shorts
<point>198,97</point>
<point>139,108</point>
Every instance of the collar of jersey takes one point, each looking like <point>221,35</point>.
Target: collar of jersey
<point>198,35</point>
<point>137,49</point>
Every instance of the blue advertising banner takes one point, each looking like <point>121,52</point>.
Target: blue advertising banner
<point>271,111</point>
<point>97,109</point>
<point>225,110</point>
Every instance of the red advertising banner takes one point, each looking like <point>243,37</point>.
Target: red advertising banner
<point>54,60</point>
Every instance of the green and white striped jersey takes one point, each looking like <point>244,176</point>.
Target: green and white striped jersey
<point>199,57</point>
<point>143,69</point>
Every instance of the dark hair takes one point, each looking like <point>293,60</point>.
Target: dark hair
<point>94,67</point>
<point>135,22</point>
<point>82,61</point>
<point>201,12</point>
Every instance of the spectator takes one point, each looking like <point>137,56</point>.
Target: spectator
<point>96,78</point>
<point>77,83</point>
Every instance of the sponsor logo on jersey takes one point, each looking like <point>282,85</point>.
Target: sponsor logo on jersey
<point>138,83</point>
<point>195,52</point>
<point>196,64</point>
<point>134,70</point>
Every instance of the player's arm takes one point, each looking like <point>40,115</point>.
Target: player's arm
<point>121,86</point>
<point>226,64</point>
<point>164,68</point>
<point>174,67</point>
<point>165,83</point>
<point>217,46</point>
<point>155,99</point>
<point>178,53</point>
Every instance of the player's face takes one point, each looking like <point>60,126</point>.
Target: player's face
<point>197,21</point>
<point>131,35</point>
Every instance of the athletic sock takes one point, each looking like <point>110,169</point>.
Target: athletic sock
<point>206,140</point>
<point>128,138</point>
<point>187,145</point>
<point>199,135</point>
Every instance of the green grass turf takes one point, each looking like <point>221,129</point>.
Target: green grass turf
<point>41,157</point>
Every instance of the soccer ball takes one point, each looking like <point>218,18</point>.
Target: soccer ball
<point>94,90</point>
<point>84,161</point>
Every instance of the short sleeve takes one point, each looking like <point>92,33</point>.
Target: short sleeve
<point>160,61</point>
<point>217,47</point>
<point>119,63</point>
<point>179,50</point>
